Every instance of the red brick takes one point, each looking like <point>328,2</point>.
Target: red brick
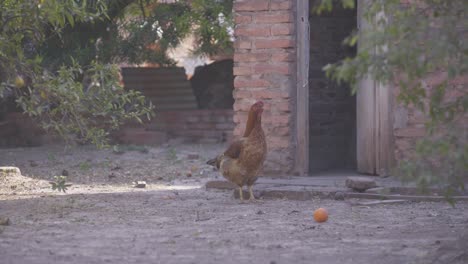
<point>238,131</point>
<point>242,82</point>
<point>402,144</point>
<point>275,142</point>
<point>220,118</point>
<point>224,126</point>
<point>271,68</point>
<point>251,57</point>
<point>460,80</point>
<point>281,5</point>
<point>276,119</point>
<point>280,17</point>
<point>202,125</point>
<point>192,119</point>
<point>280,131</point>
<point>252,30</point>
<point>251,5</point>
<point>242,44</point>
<point>283,105</point>
<point>417,119</point>
<point>242,106</point>
<point>243,19</point>
<point>410,132</point>
<point>282,29</point>
<point>269,94</point>
<point>241,94</point>
<point>242,71</point>
<point>436,78</point>
<point>274,43</point>
<point>240,119</point>
<point>283,57</point>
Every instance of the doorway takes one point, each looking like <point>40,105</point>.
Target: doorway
<point>332,108</point>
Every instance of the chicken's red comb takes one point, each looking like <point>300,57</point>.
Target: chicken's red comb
<point>260,103</point>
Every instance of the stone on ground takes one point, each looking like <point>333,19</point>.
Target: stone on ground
<point>10,170</point>
<point>193,156</point>
<point>4,221</point>
<point>360,184</point>
<point>378,190</point>
<point>140,184</point>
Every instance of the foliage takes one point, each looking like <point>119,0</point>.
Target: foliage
<point>77,112</point>
<point>24,25</point>
<point>215,24</point>
<point>145,34</point>
<point>404,45</point>
<point>442,162</point>
<point>141,31</point>
<point>121,149</point>
<point>56,56</point>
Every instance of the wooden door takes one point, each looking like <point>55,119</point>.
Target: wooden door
<point>373,120</point>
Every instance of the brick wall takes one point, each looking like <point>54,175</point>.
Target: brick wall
<point>19,130</point>
<point>409,122</point>
<point>195,125</point>
<point>264,69</point>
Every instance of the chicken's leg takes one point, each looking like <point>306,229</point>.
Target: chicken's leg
<point>252,197</point>
<point>241,194</point>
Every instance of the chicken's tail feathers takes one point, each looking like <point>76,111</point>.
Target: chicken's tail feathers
<point>212,162</point>
<point>215,162</point>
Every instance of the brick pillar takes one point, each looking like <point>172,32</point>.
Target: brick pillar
<point>264,69</point>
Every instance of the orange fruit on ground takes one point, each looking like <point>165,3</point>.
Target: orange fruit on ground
<point>19,82</point>
<point>320,215</point>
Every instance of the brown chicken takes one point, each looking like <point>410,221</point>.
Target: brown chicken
<point>243,159</point>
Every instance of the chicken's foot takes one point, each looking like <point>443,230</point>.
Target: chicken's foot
<point>241,194</point>
<point>252,197</point>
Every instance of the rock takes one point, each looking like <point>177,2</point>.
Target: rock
<point>116,168</point>
<point>339,196</point>
<point>193,156</point>
<point>360,184</point>
<point>140,184</point>
<point>10,170</point>
<point>32,163</point>
<point>378,190</point>
<point>65,173</point>
<point>4,221</point>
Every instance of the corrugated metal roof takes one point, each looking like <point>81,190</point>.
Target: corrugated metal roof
<point>167,88</point>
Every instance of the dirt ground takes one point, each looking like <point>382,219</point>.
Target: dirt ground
<point>103,219</point>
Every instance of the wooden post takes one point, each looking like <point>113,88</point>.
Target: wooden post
<point>302,86</point>
<point>384,146</point>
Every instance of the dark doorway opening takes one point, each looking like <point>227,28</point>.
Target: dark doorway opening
<point>213,85</point>
<point>332,109</point>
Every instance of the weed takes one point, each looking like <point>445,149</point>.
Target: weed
<point>120,149</point>
<point>172,154</point>
<point>84,166</point>
<point>60,184</point>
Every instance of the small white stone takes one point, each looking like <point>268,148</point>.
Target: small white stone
<point>140,184</point>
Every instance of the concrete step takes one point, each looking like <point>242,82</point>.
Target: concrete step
<point>309,188</point>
